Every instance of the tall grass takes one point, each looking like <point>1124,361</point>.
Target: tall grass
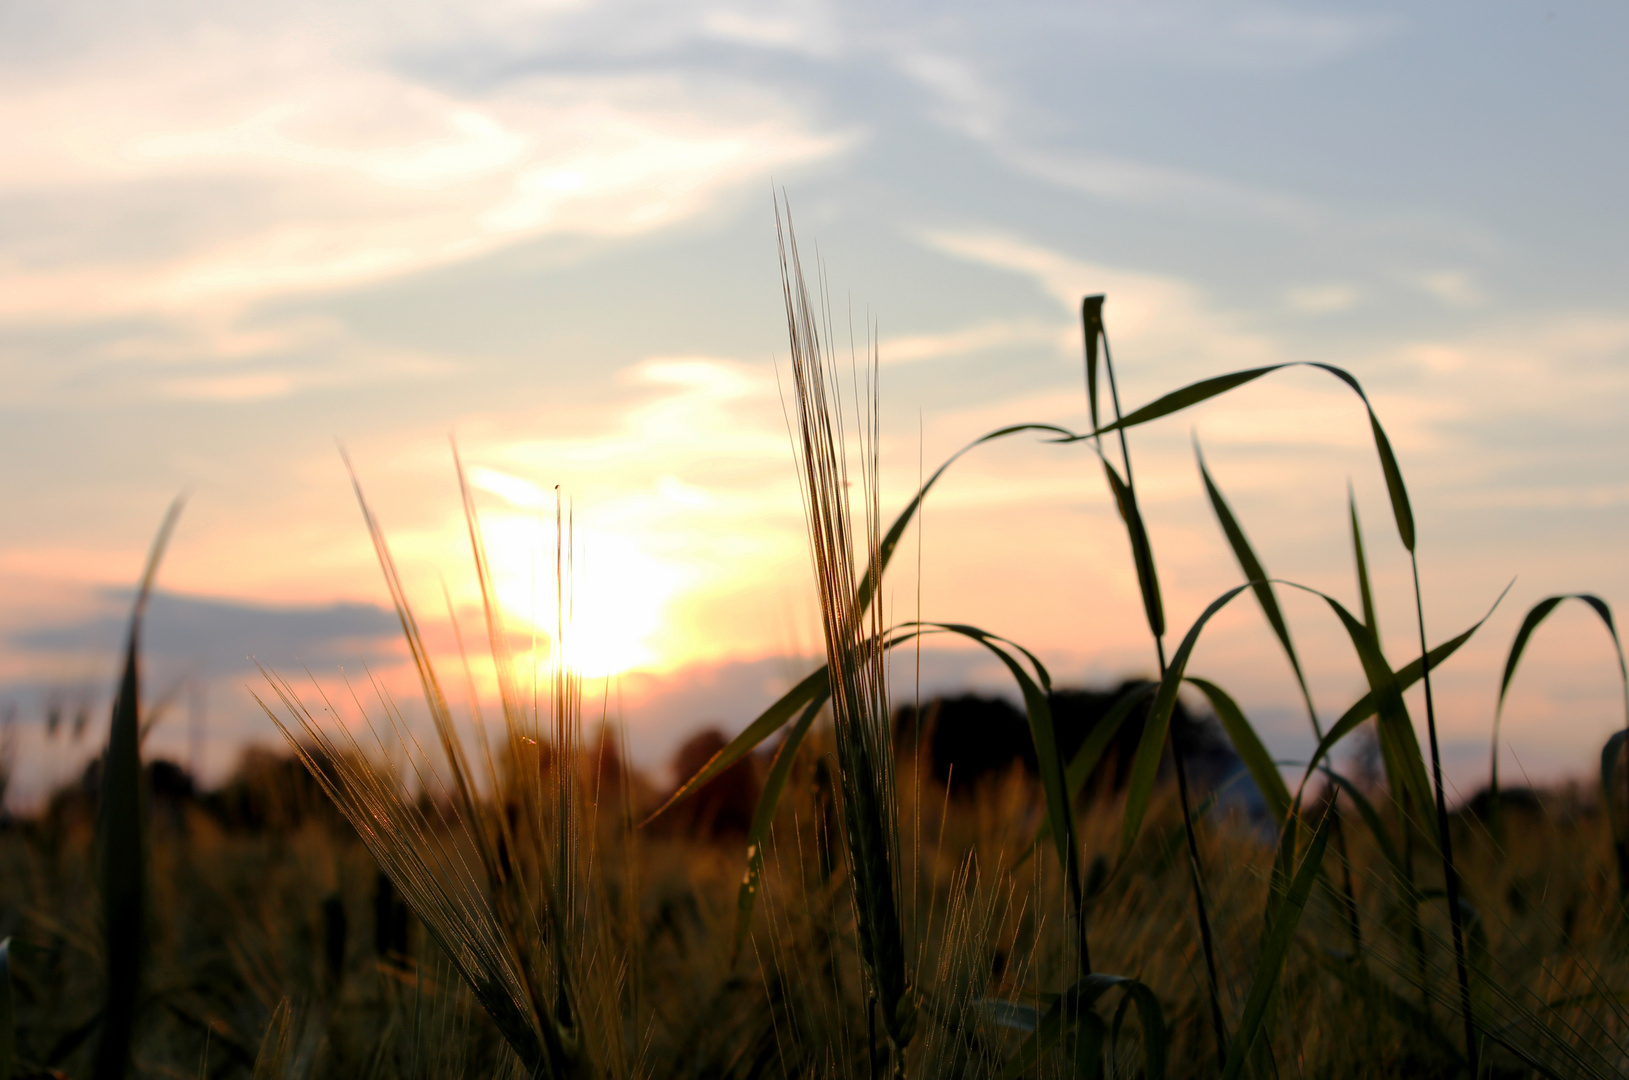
<point>856,664</point>
<point>562,943</point>
<point>494,856</point>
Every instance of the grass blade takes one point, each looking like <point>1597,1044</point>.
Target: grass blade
<point>1145,765</point>
<point>1281,926</point>
<point>1249,748</point>
<point>121,838</point>
<point>1125,499</point>
<point>854,639</point>
<point>1616,813</point>
<point>1205,389</point>
<point>763,817</point>
<point>1365,595</point>
<point>1092,749</point>
<point>1091,319</point>
<point>1407,676</point>
<point>814,686</point>
<point>1257,575</point>
<point>771,719</point>
<point>1371,818</point>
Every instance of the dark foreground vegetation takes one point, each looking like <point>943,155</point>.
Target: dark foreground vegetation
<point>1094,885</point>
<point>267,913</point>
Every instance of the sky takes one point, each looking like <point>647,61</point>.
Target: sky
<point>236,238</point>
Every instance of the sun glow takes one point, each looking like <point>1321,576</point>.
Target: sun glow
<point>615,593</point>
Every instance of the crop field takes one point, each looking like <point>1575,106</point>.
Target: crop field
<point>503,895</point>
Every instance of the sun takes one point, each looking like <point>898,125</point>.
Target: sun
<point>616,594</point>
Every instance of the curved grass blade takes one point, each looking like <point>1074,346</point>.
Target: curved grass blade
<point>1090,753</point>
<point>1125,499</point>
<point>1281,926</point>
<point>1371,818</point>
<point>1205,389</point>
<point>121,838</point>
<point>1609,754</point>
<point>1249,748</point>
<point>1256,574</point>
<point>1034,691</point>
<point>1407,676</point>
<point>1103,732</point>
<point>890,540</point>
<point>763,817</point>
<point>1049,761</point>
<point>1399,746</point>
<point>1074,1008</point>
<point>1365,595</point>
<point>772,718</point>
<point>1145,765</point>
<point>1385,687</point>
<point>814,685</point>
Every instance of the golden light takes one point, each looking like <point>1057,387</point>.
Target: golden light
<point>615,592</point>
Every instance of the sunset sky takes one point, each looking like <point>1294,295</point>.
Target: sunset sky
<point>234,237</point>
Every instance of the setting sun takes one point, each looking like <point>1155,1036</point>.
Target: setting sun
<point>615,592</point>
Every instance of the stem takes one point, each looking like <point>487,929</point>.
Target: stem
<point>1449,873</point>
<point>1196,873</point>
<point>1156,619</point>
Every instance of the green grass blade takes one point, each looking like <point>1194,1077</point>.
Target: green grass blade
<point>763,818</point>
<point>1536,615</point>
<point>1617,814</point>
<point>1275,947</point>
<point>1368,648</point>
<point>1049,761</point>
<point>1145,766</point>
<point>1407,676</point>
<point>814,685</point>
<point>1156,1044</point>
<point>1249,748</point>
<point>1091,320</point>
<point>1365,595</point>
<point>1092,749</point>
<point>1188,396</point>
<point>121,839</point>
<point>1399,745</point>
<point>1401,511</point>
<point>1142,552</point>
<point>1256,574</point>
<point>890,541</point>
<point>1090,753</point>
<point>771,720</point>
<point>1205,389</point>
<point>1371,819</point>
<point>8,1016</point>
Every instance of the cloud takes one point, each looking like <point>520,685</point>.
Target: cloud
<point>982,337</point>
<point>264,157</point>
<point>1170,320</point>
<point>217,636</point>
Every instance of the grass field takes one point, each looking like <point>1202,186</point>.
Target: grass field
<point>508,905</point>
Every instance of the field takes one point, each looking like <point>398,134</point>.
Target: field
<point>519,904</point>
